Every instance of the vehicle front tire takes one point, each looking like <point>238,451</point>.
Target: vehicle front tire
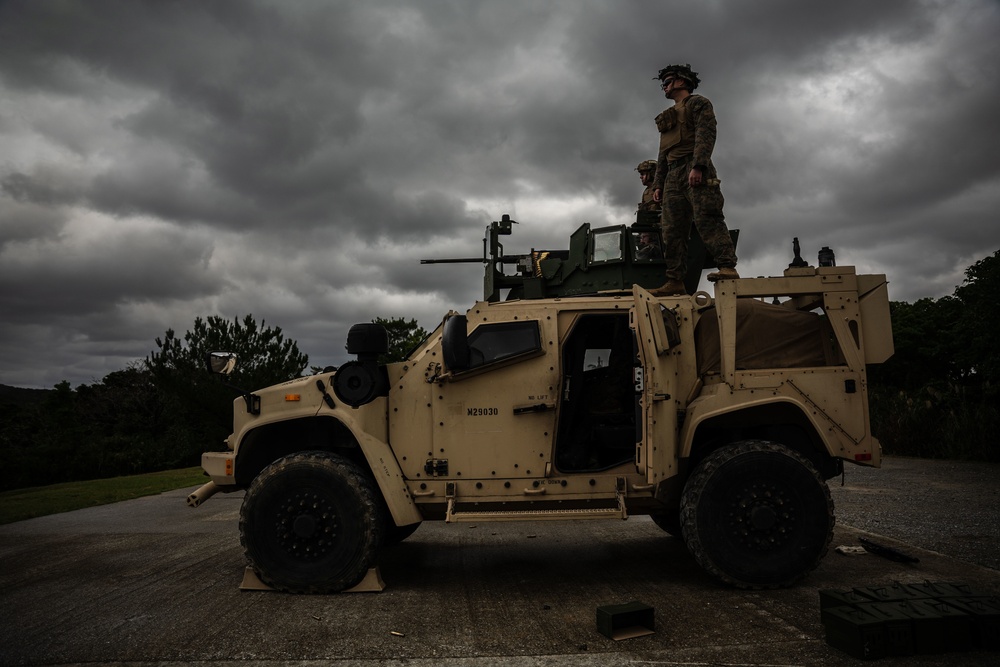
<point>311,522</point>
<point>757,514</point>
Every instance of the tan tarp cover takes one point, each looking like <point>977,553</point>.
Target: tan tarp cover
<point>767,336</point>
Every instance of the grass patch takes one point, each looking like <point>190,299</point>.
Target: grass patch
<point>21,504</point>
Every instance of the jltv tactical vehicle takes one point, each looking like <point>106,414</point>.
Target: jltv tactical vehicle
<point>578,396</point>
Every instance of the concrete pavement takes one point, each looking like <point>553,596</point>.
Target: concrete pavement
<point>152,581</point>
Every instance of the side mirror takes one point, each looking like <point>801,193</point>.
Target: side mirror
<point>455,343</point>
<point>222,363</point>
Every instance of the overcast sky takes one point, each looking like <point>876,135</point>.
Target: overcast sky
<point>161,161</point>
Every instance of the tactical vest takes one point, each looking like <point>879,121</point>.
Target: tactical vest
<point>647,203</point>
<point>676,132</point>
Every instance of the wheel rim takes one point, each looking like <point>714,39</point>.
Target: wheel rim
<point>307,525</point>
<point>762,516</point>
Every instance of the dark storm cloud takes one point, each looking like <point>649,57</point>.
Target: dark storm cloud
<point>98,271</point>
<point>161,161</point>
<point>27,221</point>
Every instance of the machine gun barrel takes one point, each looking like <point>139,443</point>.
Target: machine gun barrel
<point>454,260</point>
<point>506,259</point>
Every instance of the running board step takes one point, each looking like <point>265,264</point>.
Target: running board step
<point>618,512</point>
<point>532,515</point>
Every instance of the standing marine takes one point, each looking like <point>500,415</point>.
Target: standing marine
<point>686,181</point>
<point>647,170</point>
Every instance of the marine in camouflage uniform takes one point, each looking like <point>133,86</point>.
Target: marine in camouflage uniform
<point>647,170</point>
<point>686,181</point>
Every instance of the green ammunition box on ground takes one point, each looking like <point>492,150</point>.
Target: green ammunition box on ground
<point>937,627</point>
<point>892,593</point>
<point>856,632</point>
<point>897,625</point>
<point>941,590</point>
<point>985,614</point>
<point>625,621</point>
<point>897,620</point>
<point>830,598</point>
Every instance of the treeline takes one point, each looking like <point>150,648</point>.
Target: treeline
<point>159,413</point>
<point>939,395</point>
<point>936,397</point>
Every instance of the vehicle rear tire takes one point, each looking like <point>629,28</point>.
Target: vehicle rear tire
<point>757,515</point>
<point>669,521</point>
<point>311,522</point>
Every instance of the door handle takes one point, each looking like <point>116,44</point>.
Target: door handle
<point>538,407</point>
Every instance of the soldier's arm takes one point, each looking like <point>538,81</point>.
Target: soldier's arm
<point>661,169</point>
<point>703,118</point>
<point>660,175</point>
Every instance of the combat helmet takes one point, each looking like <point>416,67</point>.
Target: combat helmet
<point>646,165</point>
<point>680,72</point>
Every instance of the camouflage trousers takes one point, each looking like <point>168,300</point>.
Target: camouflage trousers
<point>701,206</point>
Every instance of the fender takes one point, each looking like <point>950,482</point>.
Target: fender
<point>360,423</point>
<point>710,405</point>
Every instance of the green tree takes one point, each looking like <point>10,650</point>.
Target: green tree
<point>200,406</point>
<point>264,355</point>
<point>404,335</point>
<point>948,340</point>
<point>937,395</point>
<point>67,437</point>
<point>926,339</point>
<point>979,321</point>
<point>46,443</point>
<point>21,427</point>
<point>129,423</point>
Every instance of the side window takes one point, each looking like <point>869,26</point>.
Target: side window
<point>646,246</point>
<point>596,358</point>
<point>607,246</point>
<point>491,343</point>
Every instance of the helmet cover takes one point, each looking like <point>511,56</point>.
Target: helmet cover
<point>680,72</point>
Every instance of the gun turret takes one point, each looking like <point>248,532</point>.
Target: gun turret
<point>598,260</point>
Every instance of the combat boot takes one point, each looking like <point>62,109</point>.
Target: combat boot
<point>670,288</point>
<point>724,273</point>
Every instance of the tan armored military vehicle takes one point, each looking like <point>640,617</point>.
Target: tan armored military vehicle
<point>582,397</point>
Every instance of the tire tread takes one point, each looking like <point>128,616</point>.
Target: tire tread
<point>694,488</point>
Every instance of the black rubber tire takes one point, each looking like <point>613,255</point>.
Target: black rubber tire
<point>669,521</point>
<point>312,522</point>
<point>757,514</point>
<point>367,339</point>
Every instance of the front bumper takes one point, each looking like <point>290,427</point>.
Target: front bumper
<point>220,467</point>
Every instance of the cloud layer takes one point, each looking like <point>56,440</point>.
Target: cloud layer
<point>163,161</point>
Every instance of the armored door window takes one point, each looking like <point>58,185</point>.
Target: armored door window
<point>596,358</point>
<point>491,343</point>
